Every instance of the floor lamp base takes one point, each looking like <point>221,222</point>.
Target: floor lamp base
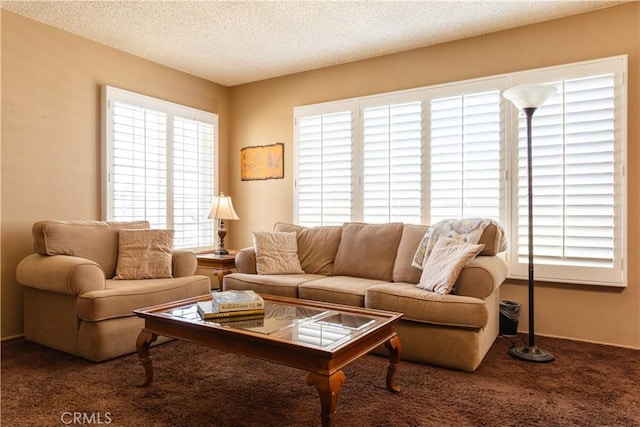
<point>531,354</point>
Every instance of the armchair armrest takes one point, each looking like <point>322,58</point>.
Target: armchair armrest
<point>481,277</point>
<point>246,261</point>
<point>183,263</point>
<point>63,274</point>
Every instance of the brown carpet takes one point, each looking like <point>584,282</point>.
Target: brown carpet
<point>587,385</point>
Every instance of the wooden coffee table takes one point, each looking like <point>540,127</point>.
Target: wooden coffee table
<point>320,338</point>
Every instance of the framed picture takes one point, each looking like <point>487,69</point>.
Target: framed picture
<point>262,162</point>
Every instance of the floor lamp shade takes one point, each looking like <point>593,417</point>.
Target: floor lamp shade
<point>528,98</point>
<point>221,209</point>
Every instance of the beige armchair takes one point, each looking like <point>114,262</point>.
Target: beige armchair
<point>73,302</point>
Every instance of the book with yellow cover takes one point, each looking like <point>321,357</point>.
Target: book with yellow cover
<point>207,311</point>
<point>227,301</point>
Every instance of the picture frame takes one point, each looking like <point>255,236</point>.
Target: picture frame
<point>262,162</point>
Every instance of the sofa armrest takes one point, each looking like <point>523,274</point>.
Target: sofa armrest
<point>183,264</point>
<point>246,261</point>
<point>481,277</point>
<point>63,274</point>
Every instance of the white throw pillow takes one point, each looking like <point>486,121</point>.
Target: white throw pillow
<point>276,252</point>
<point>448,257</point>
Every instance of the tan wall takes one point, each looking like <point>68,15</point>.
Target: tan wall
<point>50,148</point>
<point>261,113</point>
<point>51,131</point>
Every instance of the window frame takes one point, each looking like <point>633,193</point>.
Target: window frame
<point>576,274</point>
<point>324,109</point>
<point>616,276</point>
<point>393,99</point>
<point>112,94</point>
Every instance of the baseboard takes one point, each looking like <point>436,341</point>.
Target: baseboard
<point>582,340</point>
<point>12,337</point>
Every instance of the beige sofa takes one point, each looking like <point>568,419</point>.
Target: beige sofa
<point>72,301</point>
<point>371,265</point>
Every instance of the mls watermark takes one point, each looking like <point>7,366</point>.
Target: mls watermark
<point>86,418</point>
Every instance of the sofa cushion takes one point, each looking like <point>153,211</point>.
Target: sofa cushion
<point>423,306</point>
<point>144,254</point>
<point>492,240</point>
<point>93,240</point>
<point>276,253</point>
<point>121,297</point>
<point>317,246</point>
<point>443,266</point>
<point>285,285</point>
<point>368,250</point>
<point>285,227</point>
<point>403,271</point>
<point>338,289</point>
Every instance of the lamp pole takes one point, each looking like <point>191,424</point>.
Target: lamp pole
<point>529,112</point>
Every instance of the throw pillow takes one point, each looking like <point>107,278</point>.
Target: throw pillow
<point>144,254</point>
<point>448,257</point>
<point>276,252</point>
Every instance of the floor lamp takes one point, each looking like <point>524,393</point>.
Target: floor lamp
<point>528,98</point>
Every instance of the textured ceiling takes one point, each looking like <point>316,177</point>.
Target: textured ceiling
<point>235,42</point>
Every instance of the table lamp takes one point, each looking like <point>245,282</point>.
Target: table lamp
<point>221,209</point>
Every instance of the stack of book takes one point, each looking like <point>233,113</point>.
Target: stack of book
<point>232,306</point>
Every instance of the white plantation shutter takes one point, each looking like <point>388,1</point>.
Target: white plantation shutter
<point>193,179</point>
<point>574,178</point>
<point>392,141</point>
<point>139,164</point>
<point>324,169</point>
<point>458,150</point>
<point>465,156</point>
<point>159,160</point>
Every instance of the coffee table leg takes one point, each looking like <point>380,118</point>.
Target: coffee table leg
<point>328,388</point>
<point>394,347</point>
<point>142,345</point>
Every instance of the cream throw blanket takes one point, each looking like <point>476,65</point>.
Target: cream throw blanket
<point>468,230</point>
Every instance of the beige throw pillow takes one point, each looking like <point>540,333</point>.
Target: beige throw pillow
<point>276,252</point>
<point>448,257</point>
<point>144,254</point>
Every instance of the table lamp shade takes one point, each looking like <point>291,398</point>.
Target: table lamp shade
<point>222,208</point>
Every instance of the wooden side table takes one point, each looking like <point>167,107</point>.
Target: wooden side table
<point>220,265</point>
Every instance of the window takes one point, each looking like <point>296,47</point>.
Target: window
<point>159,165</point>
<point>578,146</point>
<point>392,156</point>
<point>465,156</point>
<point>459,150</point>
<point>324,168</point>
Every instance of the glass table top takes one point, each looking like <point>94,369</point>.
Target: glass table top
<point>311,326</point>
